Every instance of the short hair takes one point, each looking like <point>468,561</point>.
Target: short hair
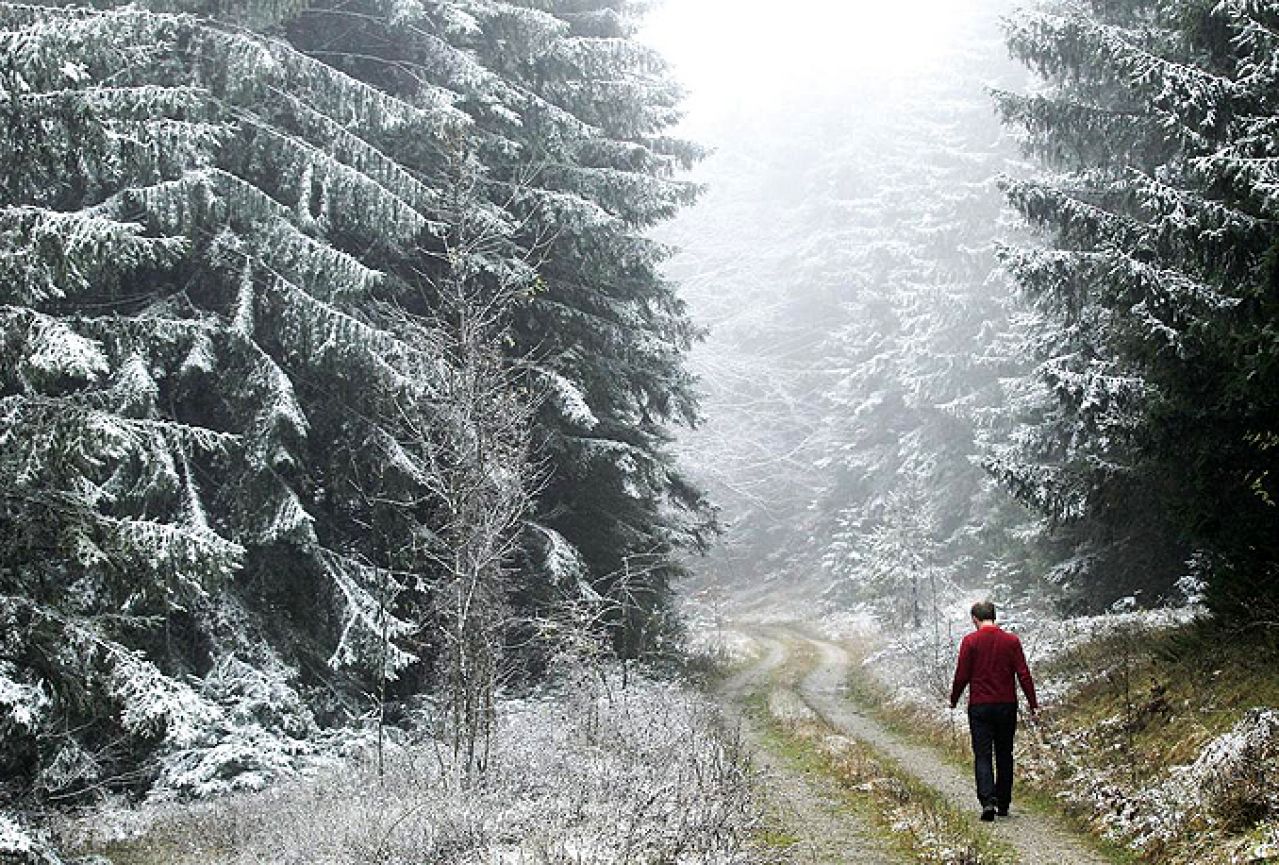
<point>984,611</point>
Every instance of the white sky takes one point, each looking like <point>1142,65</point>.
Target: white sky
<point>734,54</point>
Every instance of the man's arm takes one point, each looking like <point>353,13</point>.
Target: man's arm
<point>963,673</point>
<point>1023,676</point>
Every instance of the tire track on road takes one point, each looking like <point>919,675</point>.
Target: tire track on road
<point>1038,839</point>
<point>807,808</point>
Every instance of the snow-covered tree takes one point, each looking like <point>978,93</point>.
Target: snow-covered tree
<point>255,418</point>
<point>915,216</point>
<point>570,114</point>
<point>759,366</point>
<point>607,321</point>
<point>852,281</point>
<point>203,356</point>
<point>1155,124</point>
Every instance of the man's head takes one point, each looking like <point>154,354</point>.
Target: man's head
<point>983,611</point>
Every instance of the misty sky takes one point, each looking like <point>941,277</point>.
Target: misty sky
<point>753,55</point>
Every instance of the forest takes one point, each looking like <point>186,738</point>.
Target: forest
<point>490,431</point>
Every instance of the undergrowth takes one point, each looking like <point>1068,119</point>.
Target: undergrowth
<point>644,774</point>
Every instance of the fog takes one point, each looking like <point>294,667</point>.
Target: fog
<point>841,262</point>
<point>747,57</point>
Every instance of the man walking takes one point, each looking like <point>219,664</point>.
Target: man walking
<point>990,659</point>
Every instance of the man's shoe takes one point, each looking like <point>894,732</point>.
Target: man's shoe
<point>988,814</point>
<point>1002,811</point>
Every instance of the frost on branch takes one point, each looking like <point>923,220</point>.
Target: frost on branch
<point>25,704</point>
<point>570,401</point>
<point>561,561</point>
<point>47,254</point>
<point>369,629</point>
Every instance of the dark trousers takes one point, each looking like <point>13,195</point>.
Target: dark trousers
<point>992,726</point>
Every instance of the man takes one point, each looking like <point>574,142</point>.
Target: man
<point>990,659</point>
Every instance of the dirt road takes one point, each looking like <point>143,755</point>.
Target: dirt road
<point>807,824</point>
<point>1037,839</point>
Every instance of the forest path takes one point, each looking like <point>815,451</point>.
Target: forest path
<point>808,825</point>
<point>1037,838</point>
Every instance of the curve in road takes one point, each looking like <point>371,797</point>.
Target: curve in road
<point>813,828</point>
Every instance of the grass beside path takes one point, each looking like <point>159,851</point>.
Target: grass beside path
<point>643,773</point>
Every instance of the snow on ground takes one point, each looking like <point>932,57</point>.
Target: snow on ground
<point>21,844</point>
<point>595,774</point>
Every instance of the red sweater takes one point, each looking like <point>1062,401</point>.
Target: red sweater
<point>989,659</point>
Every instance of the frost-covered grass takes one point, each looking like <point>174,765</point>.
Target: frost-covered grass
<point>1168,740</point>
<point>596,775</point>
<point>23,844</point>
<point>1160,733</point>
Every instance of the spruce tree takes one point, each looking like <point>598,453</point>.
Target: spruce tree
<point>917,371</point>
<point>856,364</point>
<point>571,115</point>
<point>222,391</point>
<point>283,286</point>
<point>1155,293</point>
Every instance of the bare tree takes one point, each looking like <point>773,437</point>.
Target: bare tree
<point>481,468</point>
